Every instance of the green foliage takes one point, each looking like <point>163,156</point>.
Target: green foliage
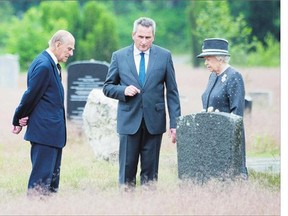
<point>265,56</point>
<point>99,37</point>
<point>6,14</point>
<point>171,22</point>
<point>172,30</point>
<point>218,23</point>
<point>27,37</point>
<point>262,17</point>
<point>93,28</point>
<point>56,15</point>
<point>100,27</point>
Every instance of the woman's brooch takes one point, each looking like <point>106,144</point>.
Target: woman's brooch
<point>224,77</point>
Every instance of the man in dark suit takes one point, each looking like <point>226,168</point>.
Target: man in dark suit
<point>42,110</point>
<point>141,115</point>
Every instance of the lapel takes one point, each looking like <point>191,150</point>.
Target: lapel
<point>131,63</point>
<point>56,75</point>
<point>152,60</point>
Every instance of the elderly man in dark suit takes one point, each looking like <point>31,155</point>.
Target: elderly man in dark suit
<point>141,76</point>
<point>42,110</point>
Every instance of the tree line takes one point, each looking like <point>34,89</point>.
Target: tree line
<point>100,27</point>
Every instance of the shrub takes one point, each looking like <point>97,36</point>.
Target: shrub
<point>265,56</point>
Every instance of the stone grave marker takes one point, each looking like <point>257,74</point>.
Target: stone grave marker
<point>83,76</point>
<point>209,146</point>
<point>9,71</point>
<point>262,97</point>
<point>99,124</point>
<point>248,104</point>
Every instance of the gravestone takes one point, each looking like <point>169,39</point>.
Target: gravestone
<point>99,123</point>
<point>9,71</point>
<point>248,104</point>
<point>83,76</point>
<point>209,146</point>
<point>262,97</point>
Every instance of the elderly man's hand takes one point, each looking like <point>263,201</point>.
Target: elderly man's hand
<point>23,121</point>
<point>16,129</point>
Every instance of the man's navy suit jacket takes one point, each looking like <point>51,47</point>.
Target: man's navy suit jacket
<point>43,102</point>
<point>150,103</point>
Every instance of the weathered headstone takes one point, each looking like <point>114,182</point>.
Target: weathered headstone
<point>83,76</point>
<point>99,123</point>
<point>209,146</point>
<point>9,70</point>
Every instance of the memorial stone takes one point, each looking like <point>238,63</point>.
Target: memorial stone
<point>83,76</point>
<point>99,123</point>
<point>9,71</point>
<point>209,146</point>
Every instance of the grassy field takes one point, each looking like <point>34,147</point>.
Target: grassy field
<point>89,186</point>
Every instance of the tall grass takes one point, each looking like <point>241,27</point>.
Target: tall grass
<point>264,145</point>
<point>89,187</point>
<point>214,199</point>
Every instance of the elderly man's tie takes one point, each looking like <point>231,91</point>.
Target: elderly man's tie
<point>59,68</point>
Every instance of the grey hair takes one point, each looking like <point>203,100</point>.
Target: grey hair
<point>224,59</point>
<point>145,21</point>
<point>60,35</point>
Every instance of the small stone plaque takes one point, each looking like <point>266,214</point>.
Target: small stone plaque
<point>83,77</point>
<point>209,146</point>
